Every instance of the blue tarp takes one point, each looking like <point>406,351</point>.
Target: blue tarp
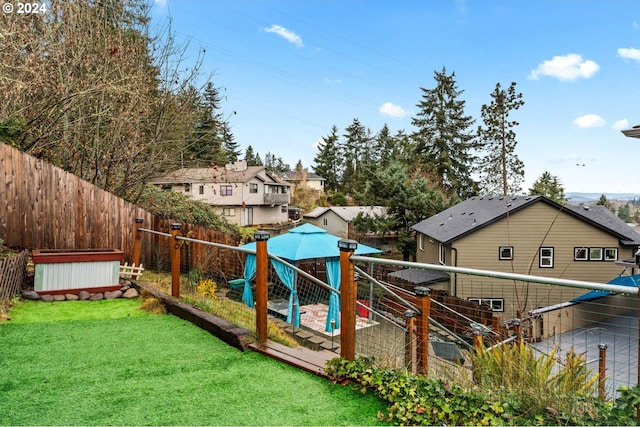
<point>631,281</point>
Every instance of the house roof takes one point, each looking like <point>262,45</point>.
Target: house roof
<point>478,212</point>
<point>291,175</point>
<point>348,213</point>
<point>216,174</point>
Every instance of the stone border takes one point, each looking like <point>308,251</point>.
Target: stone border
<point>126,291</point>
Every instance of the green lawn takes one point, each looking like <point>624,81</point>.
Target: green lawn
<point>109,363</point>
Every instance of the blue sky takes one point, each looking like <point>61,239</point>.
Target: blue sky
<point>291,69</point>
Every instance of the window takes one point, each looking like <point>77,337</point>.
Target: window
<point>226,190</point>
<point>494,304</point>
<point>228,211</point>
<point>546,257</point>
<point>284,209</point>
<point>166,187</point>
<point>580,254</point>
<point>325,221</point>
<point>253,187</point>
<point>611,254</point>
<point>595,254</point>
<point>505,253</point>
<point>201,189</point>
<point>187,188</point>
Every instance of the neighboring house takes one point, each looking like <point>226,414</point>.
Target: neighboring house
<point>304,179</point>
<point>244,195</point>
<point>338,220</point>
<point>526,235</point>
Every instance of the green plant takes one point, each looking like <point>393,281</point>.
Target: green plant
<point>536,385</point>
<point>416,399</point>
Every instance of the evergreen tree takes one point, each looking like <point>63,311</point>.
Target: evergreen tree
<point>327,162</point>
<point>549,186</point>
<point>501,171</point>
<point>409,197</point>
<point>356,153</point>
<point>443,139</point>
<point>603,201</point>
<point>624,212</point>
<point>250,157</point>
<point>275,164</point>
<point>231,147</point>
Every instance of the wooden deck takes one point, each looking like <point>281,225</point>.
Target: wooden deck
<point>300,357</point>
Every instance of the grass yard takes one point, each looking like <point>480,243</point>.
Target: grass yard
<point>109,363</point>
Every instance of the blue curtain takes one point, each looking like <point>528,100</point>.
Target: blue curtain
<point>249,274</point>
<point>285,273</point>
<point>333,277</point>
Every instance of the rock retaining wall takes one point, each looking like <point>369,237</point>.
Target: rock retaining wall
<point>126,291</point>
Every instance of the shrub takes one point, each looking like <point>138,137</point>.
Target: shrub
<point>207,288</point>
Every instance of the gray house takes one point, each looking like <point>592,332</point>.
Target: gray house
<point>338,220</point>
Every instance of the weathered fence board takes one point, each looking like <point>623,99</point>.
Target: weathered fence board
<point>42,206</point>
<point>12,271</point>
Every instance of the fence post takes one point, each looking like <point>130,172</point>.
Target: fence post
<point>175,260</point>
<point>262,292</point>
<point>348,295</point>
<point>137,242</point>
<point>422,353</point>
<point>410,337</point>
<point>602,367</point>
<point>517,325</point>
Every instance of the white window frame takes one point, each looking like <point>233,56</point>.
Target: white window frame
<point>580,253</point>
<point>596,254</point>
<point>495,304</point>
<point>201,189</point>
<point>546,261</point>
<point>228,211</point>
<point>441,254</point>
<point>253,188</point>
<point>502,256</point>
<point>226,190</point>
<point>609,250</point>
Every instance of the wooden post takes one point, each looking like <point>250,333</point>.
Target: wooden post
<point>175,260</point>
<point>424,304</point>
<point>137,242</point>
<point>602,368</point>
<point>410,338</point>
<point>348,295</point>
<point>262,293</point>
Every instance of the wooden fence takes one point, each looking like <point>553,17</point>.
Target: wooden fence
<point>12,274</point>
<point>44,207</point>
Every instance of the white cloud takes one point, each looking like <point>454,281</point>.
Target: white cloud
<point>566,68</point>
<point>289,36</point>
<point>589,121</point>
<point>629,53</point>
<point>389,109</point>
<point>621,124</point>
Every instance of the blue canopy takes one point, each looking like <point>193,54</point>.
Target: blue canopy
<point>308,242</point>
<point>631,281</point>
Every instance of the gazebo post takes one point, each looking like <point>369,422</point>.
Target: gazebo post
<point>348,295</point>
<point>262,293</point>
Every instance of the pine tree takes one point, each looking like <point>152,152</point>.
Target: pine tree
<point>549,186</point>
<point>356,153</point>
<point>501,171</point>
<point>443,139</point>
<point>250,157</point>
<point>327,162</point>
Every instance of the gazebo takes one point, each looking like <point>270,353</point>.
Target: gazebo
<point>302,243</point>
